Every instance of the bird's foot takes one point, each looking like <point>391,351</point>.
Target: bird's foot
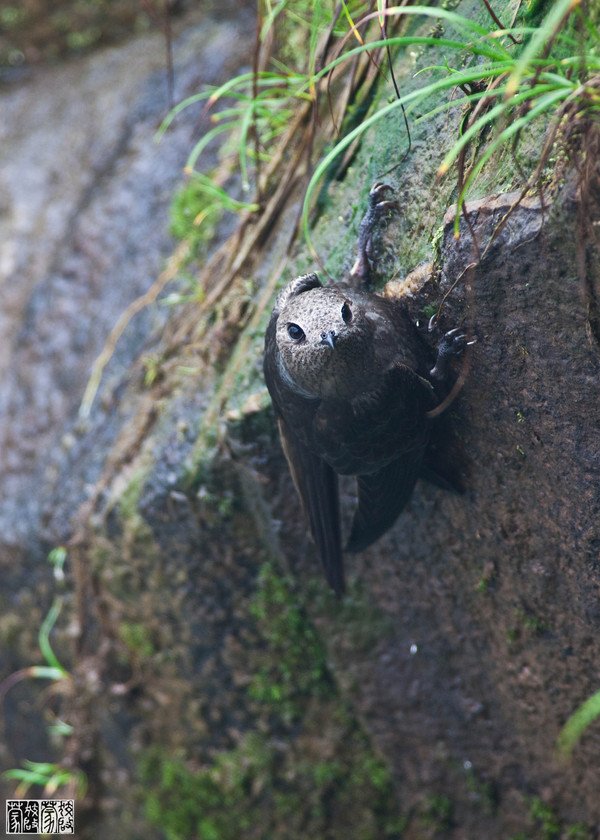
<point>452,346</point>
<point>377,197</point>
<point>379,205</point>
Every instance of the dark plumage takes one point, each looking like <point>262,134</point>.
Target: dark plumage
<point>351,384</point>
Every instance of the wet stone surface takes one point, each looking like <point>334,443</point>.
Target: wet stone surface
<point>84,198</point>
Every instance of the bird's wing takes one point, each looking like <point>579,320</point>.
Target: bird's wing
<point>381,497</point>
<point>317,486</point>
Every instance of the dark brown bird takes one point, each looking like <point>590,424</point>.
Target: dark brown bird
<point>351,383</point>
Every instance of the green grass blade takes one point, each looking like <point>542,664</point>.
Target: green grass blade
<point>243,146</point>
<point>406,41</point>
<point>43,672</point>
<point>220,196</point>
<point>459,21</point>
<point>44,636</point>
<point>541,37</point>
<point>592,29</point>
<point>316,25</point>
<point>351,22</point>
<point>221,128</point>
<point>246,80</point>
<point>576,725</point>
<point>271,17</point>
<point>545,104</point>
<point>229,88</point>
<point>492,115</point>
<point>185,103</point>
<point>469,99</point>
<point>482,72</point>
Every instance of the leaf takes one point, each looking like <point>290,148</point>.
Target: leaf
<point>577,724</point>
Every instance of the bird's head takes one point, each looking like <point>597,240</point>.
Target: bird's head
<point>323,339</point>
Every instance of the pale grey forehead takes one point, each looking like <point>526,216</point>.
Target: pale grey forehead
<point>315,303</point>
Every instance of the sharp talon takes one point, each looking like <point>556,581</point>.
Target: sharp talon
<point>380,185</point>
<point>430,324</point>
<point>473,341</point>
<point>386,204</point>
<point>378,189</point>
<point>452,333</point>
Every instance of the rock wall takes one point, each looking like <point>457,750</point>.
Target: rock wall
<point>217,689</point>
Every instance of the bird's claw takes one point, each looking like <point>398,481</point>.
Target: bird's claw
<point>451,346</point>
<point>379,205</point>
<point>377,197</point>
<point>453,343</point>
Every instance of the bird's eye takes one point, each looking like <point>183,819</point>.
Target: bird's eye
<point>346,313</point>
<point>295,332</point>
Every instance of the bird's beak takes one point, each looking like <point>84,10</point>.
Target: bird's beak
<point>329,338</point>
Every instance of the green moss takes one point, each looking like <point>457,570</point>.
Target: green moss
<point>152,369</point>
<point>430,310</point>
<point>185,804</point>
<point>194,215</point>
<point>578,831</point>
<point>11,16</point>
<point>130,497</point>
<point>487,579</point>
<point>437,812</point>
<point>305,770</point>
<point>200,466</point>
<point>482,792</point>
<point>512,635</point>
<point>265,789</point>
<point>356,617</point>
<point>526,626</point>
<point>137,533</point>
<point>535,624</point>
<point>531,622</point>
<point>83,39</point>
<point>547,825</point>
<point>293,664</point>
<point>546,819</point>
<point>135,637</point>
<point>215,489</point>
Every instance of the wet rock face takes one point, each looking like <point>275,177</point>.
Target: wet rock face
<point>468,635</point>
<point>85,192</point>
<point>470,630</point>
<point>31,33</point>
<point>491,598</point>
<point>507,569</point>
<point>494,596</point>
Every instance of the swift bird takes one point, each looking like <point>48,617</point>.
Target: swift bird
<point>351,383</point>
